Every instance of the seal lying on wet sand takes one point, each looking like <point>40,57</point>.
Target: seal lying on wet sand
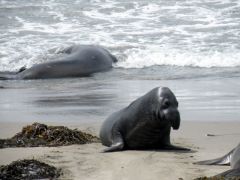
<point>145,124</point>
<point>232,158</point>
<point>81,60</point>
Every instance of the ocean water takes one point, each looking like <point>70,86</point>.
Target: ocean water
<point>191,46</point>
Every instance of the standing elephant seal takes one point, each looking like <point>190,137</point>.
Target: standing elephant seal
<point>145,124</point>
<point>232,158</point>
<point>81,60</point>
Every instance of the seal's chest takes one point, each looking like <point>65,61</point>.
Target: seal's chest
<point>145,137</point>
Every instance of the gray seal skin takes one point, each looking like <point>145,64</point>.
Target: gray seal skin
<point>81,60</point>
<point>145,124</point>
<point>232,158</point>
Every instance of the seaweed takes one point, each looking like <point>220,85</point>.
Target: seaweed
<point>28,169</point>
<point>42,135</point>
<point>208,178</point>
<point>217,178</point>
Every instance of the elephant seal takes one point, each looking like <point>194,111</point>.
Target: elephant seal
<point>145,124</point>
<point>80,60</point>
<point>232,158</point>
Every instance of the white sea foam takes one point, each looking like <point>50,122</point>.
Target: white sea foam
<point>138,58</point>
<point>57,28</point>
<point>188,33</point>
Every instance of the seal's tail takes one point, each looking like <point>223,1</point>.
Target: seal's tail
<point>7,76</point>
<point>225,160</point>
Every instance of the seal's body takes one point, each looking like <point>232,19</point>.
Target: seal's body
<point>232,158</point>
<point>145,124</point>
<point>82,60</point>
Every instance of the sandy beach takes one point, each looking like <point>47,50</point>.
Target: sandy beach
<point>191,47</point>
<point>87,162</point>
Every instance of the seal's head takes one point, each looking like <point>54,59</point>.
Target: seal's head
<point>168,107</point>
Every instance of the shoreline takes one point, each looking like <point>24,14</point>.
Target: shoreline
<point>87,161</point>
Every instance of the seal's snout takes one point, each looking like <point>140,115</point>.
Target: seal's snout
<point>175,120</point>
<point>172,116</point>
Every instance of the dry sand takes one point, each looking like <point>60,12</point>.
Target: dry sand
<point>86,162</point>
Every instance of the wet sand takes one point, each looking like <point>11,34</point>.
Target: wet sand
<point>87,161</point>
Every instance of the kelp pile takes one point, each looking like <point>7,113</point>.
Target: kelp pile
<point>28,169</point>
<point>42,135</point>
<point>232,174</point>
<point>207,178</point>
<point>218,178</point>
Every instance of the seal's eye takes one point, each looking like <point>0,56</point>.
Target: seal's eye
<point>166,104</point>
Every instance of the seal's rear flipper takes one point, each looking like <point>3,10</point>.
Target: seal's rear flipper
<point>22,69</point>
<point>225,160</point>
<point>8,75</point>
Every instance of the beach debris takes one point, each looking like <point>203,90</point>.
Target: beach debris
<point>217,178</point>
<point>42,135</point>
<point>28,169</point>
<point>203,178</point>
<point>231,134</point>
<point>210,135</point>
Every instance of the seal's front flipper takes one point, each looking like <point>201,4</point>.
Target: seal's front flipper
<point>117,142</point>
<point>115,147</point>
<point>22,69</point>
<point>225,160</point>
<point>172,147</point>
